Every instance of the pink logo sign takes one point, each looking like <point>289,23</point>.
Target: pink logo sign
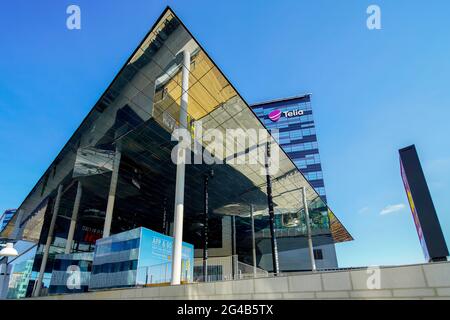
<point>275,115</point>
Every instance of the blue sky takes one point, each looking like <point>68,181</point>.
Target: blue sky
<point>373,92</point>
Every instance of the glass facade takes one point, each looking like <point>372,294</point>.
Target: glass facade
<point>137,257</point>
<point>297,135</point>
<point>19,280</point>
<point>293,119</point>
<point>20,270</point>
<point>5,217</point>
<point>118,168</point>
<point>71,273</point>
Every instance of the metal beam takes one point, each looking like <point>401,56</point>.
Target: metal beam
<point>308,227</point>
<point>273,240</point>
<point>253,239</point>
<point>112,193</point>
<point>73,220</point>
<point>38,286</point>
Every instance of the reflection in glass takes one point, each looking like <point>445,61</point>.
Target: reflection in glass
<point>136,117</point>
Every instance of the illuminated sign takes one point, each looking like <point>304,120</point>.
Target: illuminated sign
<point>275,115</point>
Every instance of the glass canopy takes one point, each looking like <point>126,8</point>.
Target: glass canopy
<point>137,115</point>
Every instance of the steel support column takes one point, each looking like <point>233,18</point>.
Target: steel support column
<point>273,239</point>
<point>180,176</point>
<point>308,227</point>
<point>73,220</point>
<point>253,239</point>
<point>38,286</point>
<point>205,231</point>
<point>112,193</point>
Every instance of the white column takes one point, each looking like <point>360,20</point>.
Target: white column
<point>308,226</point>
<point>180,177</point>
<point>73,221</point>
<point>253,240</point>
<point>38,285</point>
<point>112,193</point>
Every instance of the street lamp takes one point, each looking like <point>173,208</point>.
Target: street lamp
<point>8,250</point>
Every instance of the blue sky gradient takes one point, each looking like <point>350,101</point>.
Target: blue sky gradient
<point>373,92</point>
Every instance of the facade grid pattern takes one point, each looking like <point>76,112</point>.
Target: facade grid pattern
<point>297,135</point>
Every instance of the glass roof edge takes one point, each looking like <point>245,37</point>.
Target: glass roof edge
<point>167,10</point>
<point>85,120</point>
<point>252,111</point>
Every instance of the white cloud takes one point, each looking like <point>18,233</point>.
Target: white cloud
<point>392,208</point>
<point>363,210</point>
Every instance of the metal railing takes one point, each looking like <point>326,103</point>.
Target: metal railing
<point>246,271</point>
<point>160,274</point>
<point>226,268</point>
<point>289,232</point>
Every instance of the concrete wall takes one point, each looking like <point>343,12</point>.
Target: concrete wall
<point>226,249</point>
<point>225,262</point>
<point>424,281</point>
<point>298,258</point>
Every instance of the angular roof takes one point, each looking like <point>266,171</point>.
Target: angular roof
<point>138,109</point>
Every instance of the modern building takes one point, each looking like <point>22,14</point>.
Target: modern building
<point>119,171</point>
<point>5,217</point>
<point>71,273</point>
<point>138,257</point>
<point>18,283</point>
<point>293,120</point>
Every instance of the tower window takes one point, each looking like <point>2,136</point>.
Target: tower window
<point>318,255</point>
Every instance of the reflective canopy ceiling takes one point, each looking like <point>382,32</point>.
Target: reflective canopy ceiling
<point>138,113</point>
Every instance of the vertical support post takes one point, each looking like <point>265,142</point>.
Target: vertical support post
<point>205,232</point>
<point>112,193</point>
<point>164,226</point>
<point>273,239</point>
<point>180,176</point>
<point>233,247</point>
<point>51,229</point>
<point>146,276</point>
<point>253,240</point>
<point>73,220</point>
<point>308,227</point>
